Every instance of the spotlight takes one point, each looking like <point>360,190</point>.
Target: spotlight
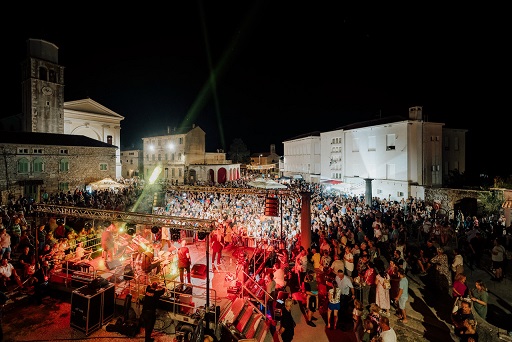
<point>155,229</point>
<point>201,235</point>
<point>130,229</point>
<point>175,234</point>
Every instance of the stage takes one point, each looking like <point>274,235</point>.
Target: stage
<point>130,279</point>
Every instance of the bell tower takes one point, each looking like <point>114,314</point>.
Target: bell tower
<point>42,89</point>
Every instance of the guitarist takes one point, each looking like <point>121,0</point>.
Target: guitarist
<point>184,261</point>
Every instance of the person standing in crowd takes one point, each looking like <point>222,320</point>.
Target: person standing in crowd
<point>357,317</point>
<point>480,297</point>
<point>458,263</point>
<point>403,295</point>
<point>334,297</point>
<point>459,288</point>
<point>149,306</point>
<point>346,287</point>
<point>287,325</point>
<point>337,264</point>
<point>315,259</point>
<point>382,299</point>
<point>301,265</point>
<point>427,252</point>
<point>387,333</point>
<point>348,259</point>
<point>184,261</point>
<point>311,288</point>
<point>498,255</point>
<point>442,267</point>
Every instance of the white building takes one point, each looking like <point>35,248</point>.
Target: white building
<point>302,157</point>
<point>400,157</point>
<point>89,118</point>
<point>179,157</point>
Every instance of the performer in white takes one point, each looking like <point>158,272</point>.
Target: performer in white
<point>166,238</point>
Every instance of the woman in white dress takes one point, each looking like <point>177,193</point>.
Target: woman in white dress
<point>382,298</point>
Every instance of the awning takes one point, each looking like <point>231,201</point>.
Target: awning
<point>30,182</point>
<point>507,204</point>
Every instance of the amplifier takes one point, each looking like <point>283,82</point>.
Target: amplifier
<point>79,279</point>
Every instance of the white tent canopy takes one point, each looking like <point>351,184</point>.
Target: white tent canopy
<point>105,183</point>
<point>267,184</point>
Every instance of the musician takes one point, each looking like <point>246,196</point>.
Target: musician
<point>184,261</point>
<point>107,242</point>
<point>217,246</point>
<point>166,238</point>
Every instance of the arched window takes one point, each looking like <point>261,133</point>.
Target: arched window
<point>23,165</point>
<point>63,165</point>
<point>38,165</point>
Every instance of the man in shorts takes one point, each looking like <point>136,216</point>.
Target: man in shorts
<point>403,295</point>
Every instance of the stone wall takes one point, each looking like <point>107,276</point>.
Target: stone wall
<point>84,167</point>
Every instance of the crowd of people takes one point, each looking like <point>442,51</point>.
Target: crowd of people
<point>355,245</point>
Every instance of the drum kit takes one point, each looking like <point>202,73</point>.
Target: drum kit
<point>146,259</point>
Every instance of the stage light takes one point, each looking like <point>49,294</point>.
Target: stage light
<point>201,235</point>
<point>175,234</point>
<point>130,229</point>
<point>155,229</point>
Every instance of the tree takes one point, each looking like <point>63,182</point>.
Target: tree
<point>238,152</point>
<point>491,201</point>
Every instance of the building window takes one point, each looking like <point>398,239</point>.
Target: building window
<point>390,142</point>
<point>63,151</point>
<point>103,167</point>
<point>179,173</point>
<point>22,150</point>
<point>456,144</point>
<point>23,165</point>
<point>38,165</point>
<point>63,165</point>
<point>109,139</point>
<point>64,186</point>
<point>37,151</point>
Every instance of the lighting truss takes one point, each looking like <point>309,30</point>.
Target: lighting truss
<point>211,189</point>
<point>174,222</point>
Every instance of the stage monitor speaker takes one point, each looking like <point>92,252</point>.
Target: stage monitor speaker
<point>112,265</point>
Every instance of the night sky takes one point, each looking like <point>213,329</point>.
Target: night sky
<point>267,71</point>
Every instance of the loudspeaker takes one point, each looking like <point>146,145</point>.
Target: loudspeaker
<point>111,265</point>
<point>271,206</point>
